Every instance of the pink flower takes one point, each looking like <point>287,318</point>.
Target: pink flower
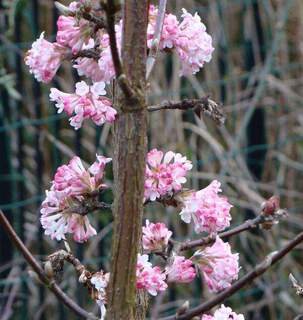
<point>223,313</point>
<point>105,62</point>
<point>155,237</point>
<point>193,44</point>
<point>181,270</point>
<point>71,187</point>
<point>149,278</point>
<point>218,265</point>
<point>209,211</point>
<point>89,67</point>
<point>73,33</point>
<point>97,168</point>
<point>86,103</point>
<point>44,59</point>
<point>170,29</point>
<point>164,173</point>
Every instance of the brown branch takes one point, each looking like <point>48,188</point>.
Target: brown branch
<point>62,297</point>
<point>87,53</point>
<point>85,208</point>
<point>99,22</point>
<point>204,105</point>
<point>270,260</point>
<point>247,225</point>
<point>110,9</point>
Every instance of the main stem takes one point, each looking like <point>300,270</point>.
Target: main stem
<point>129,164</point>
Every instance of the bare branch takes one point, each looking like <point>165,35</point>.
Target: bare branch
<point>62,297</point>
<point>87,53</point>
<point>151,59</point>
<point>270,260</point>
<point>204,105</point>
<point>124,84</point>
<point>247,225</point>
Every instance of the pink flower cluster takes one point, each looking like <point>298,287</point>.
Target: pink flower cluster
<point>44,59</point>
<point>149,278</point>
<point>209,211</point>
<point>155,237</point>
<point>72,33</point>
<point>71,185</point>
<point>223,313</point>
<point>180,270</point>
<point>164,173</point>
<point>88,102</point>
<point>218,265</point>
<point>188,37</point>
<point>193,44</point>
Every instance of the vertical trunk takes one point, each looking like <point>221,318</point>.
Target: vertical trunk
<point>129,165</point>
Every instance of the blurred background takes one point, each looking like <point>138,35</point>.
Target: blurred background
<point>256,72</point>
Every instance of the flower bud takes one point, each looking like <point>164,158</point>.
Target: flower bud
<point>48,269</point>
<point>270,206</point>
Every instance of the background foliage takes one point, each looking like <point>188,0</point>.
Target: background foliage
<point>256,71</point>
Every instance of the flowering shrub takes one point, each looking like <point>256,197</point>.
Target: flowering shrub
<point>73,196</point>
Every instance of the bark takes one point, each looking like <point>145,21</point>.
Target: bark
<point>129,165</point>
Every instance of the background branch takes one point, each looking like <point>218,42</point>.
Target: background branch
<point>40,272</point>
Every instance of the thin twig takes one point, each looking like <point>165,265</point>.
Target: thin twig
<point>204,105</point>
<point>248,278</point>
<point>124,84</point>
<point>62,297</point>
<point>247,225</point>
<point>151,59</point>
<point>99,22</point>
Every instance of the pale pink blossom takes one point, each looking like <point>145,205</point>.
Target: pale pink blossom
<point>88,102</point>
<point>164,173</point>
<point>89,67</point>
<point>155,237</point>
<point>223,313</point>
<point>44,59</point>
<point>100,281</point>
<point>105,62</point>
<point>169,32</point>
<point>149,278</point>
<point>209,211</point>
<point>193,44</point>
<point>71,186</point>
<point>73,33</point>
<point>180,270</point>
<point>218,265</point>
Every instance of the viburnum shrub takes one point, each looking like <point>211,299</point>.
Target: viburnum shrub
<point>106,50</point>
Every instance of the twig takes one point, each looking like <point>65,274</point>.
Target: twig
<point>124,84</point>
<point>247,225</point>
<point>86,207</point>
<point>295,284</point>
<point>248,278</point>
<point>204,104</point>
<point>40,272</point>
<point>151,59</point>
<point>87,53</point>
<point>98,21</point>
